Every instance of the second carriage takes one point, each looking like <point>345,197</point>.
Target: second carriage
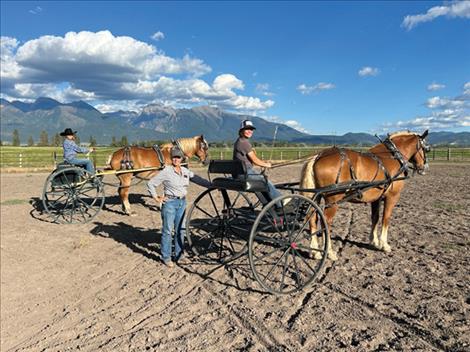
<point>237,218</point>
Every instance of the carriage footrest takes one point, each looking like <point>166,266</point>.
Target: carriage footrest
<point>251,183</point>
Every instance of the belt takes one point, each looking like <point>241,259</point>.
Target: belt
<point>174,197</point>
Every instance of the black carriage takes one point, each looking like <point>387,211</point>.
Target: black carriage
<point>237,217</point>
<point>72,195</point>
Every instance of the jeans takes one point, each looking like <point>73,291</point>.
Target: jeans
<point>83,162</point>
<point>173,213</point>
<point>272,191</point>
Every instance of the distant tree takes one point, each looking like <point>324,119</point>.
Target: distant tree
<point>124,141</point>
<point>43,139</point>
<point>92,141</point>
<point>30,141</point>
<point>16,138</point>
<point>113,142</point>
<point>57,141</point>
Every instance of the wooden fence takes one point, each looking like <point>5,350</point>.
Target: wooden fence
<point>37,157</point>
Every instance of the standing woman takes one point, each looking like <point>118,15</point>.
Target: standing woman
<point>175,180</point>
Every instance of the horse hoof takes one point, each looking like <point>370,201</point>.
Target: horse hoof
<point>315,255</point>
<point>332,256</point>
<point>386,248</point>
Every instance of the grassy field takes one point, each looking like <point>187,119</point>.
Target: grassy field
<point>44,157</point>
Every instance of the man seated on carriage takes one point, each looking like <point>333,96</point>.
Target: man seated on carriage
<point>243,151</point>
<point>71,149</point>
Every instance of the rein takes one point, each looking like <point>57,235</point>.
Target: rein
<point>291,162</point>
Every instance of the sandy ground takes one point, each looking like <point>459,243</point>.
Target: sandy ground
<point>101,286</point>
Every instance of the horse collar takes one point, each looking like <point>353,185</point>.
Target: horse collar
<point>397,155</point>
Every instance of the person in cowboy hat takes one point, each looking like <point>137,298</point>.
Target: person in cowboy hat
<point>71,149</point>
<point>175,180</point>
<point>243,151</point>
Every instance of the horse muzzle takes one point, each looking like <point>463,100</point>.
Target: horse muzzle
<point>206,162</point>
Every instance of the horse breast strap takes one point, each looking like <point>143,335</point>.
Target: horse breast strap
<point>126,162</point>
<point>176,144</point>
<point>159,153</point>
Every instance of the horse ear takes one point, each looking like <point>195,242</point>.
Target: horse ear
<point>424,134</point>
<point>202,137</point>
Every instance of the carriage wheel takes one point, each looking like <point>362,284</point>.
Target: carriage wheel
<point>72,195</point>
<point>218,224</point>
<point>280,247</point>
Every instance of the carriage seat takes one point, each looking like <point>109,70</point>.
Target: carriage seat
<point>239,180</point>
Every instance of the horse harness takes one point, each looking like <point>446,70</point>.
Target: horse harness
<point>128,164</point>
<point>354,193</point>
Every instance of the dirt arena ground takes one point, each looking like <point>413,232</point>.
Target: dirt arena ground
<point>101,286</point>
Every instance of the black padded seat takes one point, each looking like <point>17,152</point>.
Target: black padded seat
<point>239,181</point>
<point>249,183</point>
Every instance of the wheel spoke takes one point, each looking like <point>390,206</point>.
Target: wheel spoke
<point>303,259</point>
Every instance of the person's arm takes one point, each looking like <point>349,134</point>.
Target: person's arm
<point>257,161</point>
<point>153,183</point>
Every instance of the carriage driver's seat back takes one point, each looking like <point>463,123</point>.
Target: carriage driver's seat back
<point>239,180</point>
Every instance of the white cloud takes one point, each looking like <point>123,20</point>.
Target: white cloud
<point>158,36</point>
<point>103,68</point>
<point>446,113</point>
<point>306,90</point>
<point>291,123</point>
<point>263,88</point>
<point>450,10</point>
<point>368,71</point>
<point>37,10</point>
<point>435,86</point>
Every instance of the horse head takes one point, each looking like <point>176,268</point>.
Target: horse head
<point>202,150</point>
<point>419,159</point>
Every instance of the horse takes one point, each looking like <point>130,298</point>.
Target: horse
<point>147,157</point>
<point>386,164</point>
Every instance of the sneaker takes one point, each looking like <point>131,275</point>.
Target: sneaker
<point>169,264</point>
<point>182,260</point>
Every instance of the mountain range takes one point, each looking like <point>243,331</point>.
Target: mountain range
<point>160,122</point>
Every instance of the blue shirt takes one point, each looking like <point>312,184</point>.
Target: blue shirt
<point>71,149</point>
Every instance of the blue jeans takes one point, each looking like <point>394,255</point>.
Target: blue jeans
<point>173,211</point>
<point>272,190</point>
<point>83,162</point>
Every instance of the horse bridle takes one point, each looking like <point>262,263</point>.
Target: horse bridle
<point>405,165</point>
<point>421,144</point>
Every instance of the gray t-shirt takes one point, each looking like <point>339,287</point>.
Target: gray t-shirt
<point>241,148</point>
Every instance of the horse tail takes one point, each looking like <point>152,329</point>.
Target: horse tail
<point>307,176</point>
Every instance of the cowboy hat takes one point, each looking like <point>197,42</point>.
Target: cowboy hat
<point>68,132</point>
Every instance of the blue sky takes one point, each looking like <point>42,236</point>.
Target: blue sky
<point>320,67</point>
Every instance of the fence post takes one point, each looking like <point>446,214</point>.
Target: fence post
<point>262,155</point>
<point>221,155</point>
<point>21,159</point>
<point>298,154</point>
<point>433,154</point>
<point>448,154</point>
<point>281,156</point>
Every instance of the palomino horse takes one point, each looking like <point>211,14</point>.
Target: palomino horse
<point>143,157</point>
<point>385,164</point>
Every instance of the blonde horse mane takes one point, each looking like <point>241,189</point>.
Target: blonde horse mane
<point>186,144</point>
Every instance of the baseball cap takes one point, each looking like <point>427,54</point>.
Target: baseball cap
<point>247,124</point>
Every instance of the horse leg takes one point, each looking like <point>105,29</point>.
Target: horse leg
<point>313,239</point>
<point>389,204</point>
<point>330,212</point>
<point>124,193</point>
<point>375,209</point>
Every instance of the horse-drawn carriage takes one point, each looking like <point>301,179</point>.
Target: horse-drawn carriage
<point>287,238</point>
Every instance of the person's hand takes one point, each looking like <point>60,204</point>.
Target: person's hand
<point>268,165</point>
<point>92,149</point>
<point>160,199</point>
